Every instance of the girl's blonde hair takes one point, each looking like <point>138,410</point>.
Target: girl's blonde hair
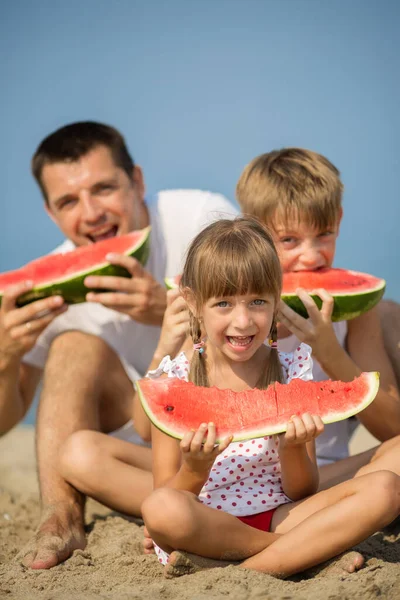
<point>228,258</point>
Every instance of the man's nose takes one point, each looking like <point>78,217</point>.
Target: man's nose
<point>92,209</point>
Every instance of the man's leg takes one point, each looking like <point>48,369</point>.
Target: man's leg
<point>389,312</point>
<point>83,379</point>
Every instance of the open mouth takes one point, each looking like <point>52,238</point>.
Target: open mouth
<point>240,341</point>
<point>103,234</point>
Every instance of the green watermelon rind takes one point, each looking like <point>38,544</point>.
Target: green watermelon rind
<point>72,288</point>
<point>347,306</point>
<point>371,379</point>
<point>170,283</point>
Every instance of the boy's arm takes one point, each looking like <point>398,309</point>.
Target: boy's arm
<point>365,352</point>
<point>365,346</point>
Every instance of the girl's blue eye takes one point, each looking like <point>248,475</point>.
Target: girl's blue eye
<point>259,302</point>
<point>222,304</point>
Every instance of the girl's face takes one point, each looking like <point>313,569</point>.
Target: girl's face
<point>237,326</point>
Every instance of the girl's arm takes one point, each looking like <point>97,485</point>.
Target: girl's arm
<point>185,465</point>
<point>365,352</point>
<point>299,471</point>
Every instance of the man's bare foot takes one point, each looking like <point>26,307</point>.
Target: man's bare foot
<point>148,547</point>
<point>59,534</point>
<point>183,563</point>
<point>348,562</point>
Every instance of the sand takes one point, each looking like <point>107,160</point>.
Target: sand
<point>113,567</point>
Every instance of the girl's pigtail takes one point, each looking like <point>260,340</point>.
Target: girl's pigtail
<point>198,368</point>
<point>273,371</point>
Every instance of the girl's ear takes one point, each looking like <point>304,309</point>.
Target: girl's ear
<point>190,301</point>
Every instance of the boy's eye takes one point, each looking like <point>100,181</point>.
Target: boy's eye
<point>222,303</point>
<point>259,302</point>
<point>326,233</point>
<point>287,240</point>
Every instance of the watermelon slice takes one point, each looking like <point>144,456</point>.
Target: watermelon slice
<point>175,406</point>
<point>354,293</point>
<point>172,282</point>
<point>63,274</point>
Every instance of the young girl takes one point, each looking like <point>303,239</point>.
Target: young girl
<point>250,501</point>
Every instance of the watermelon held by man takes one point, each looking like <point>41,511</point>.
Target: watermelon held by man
<point>354,293</point>
<point>64,273</point>
<point>175,406</point>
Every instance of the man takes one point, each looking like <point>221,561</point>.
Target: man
<point>90,354</point>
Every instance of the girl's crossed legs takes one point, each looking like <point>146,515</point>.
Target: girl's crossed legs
<point>303,534</point>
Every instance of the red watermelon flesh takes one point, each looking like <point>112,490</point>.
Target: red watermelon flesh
<point>354,293</point>
<point>63,273</point>
<point>175,406</point>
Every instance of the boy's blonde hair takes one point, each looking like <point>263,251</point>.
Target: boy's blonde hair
<point>228,258</point>
<point>287,183</point>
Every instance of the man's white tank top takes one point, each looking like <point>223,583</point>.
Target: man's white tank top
<point>333,443</point>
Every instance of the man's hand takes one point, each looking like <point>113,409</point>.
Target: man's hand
<point>21,327</point>
<point>317,331</point>
<point>139,296</point>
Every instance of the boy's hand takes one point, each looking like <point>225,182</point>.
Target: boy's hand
<point>199,449</point>
<point>301,430</point>
<point>316,331</point>
<point>175,327</point>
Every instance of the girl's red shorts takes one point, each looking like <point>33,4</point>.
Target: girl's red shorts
<point>261,521</point>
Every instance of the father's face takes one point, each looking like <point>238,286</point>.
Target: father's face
<point>92,199</point>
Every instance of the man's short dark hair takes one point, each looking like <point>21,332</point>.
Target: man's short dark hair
<point>71,142</point>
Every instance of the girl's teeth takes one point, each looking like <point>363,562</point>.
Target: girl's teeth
<point>239,341</point>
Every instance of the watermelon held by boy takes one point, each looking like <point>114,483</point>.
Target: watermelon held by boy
<point>63,274</point>
<point>353,293</point>
<point>176,407</point>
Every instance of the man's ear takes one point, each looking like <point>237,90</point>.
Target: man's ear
<point>50,213</point>
<point>138,182</point>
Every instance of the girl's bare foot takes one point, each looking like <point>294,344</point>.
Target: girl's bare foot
<point>348,562</point>
<point>148,547</point>
<point>183,563</point>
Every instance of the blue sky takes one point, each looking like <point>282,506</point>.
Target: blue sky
<point>199,89</point>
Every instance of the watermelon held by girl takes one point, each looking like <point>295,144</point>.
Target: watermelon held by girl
<point>176,406</point>
<point>354,293</point>
<point>63,274</point>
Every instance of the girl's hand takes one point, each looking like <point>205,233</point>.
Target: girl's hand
<point>199,448</point>
<point>301,430</point>
<point>316,331</point>
<point>175,327</point>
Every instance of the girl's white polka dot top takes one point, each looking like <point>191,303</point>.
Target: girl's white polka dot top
<point>246,478</point>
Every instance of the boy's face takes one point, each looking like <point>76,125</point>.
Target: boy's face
<point>304,247</point>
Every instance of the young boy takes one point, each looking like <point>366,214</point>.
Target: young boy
<point>298,194</point>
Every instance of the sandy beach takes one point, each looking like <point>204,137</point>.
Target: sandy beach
<point>113,567</point>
